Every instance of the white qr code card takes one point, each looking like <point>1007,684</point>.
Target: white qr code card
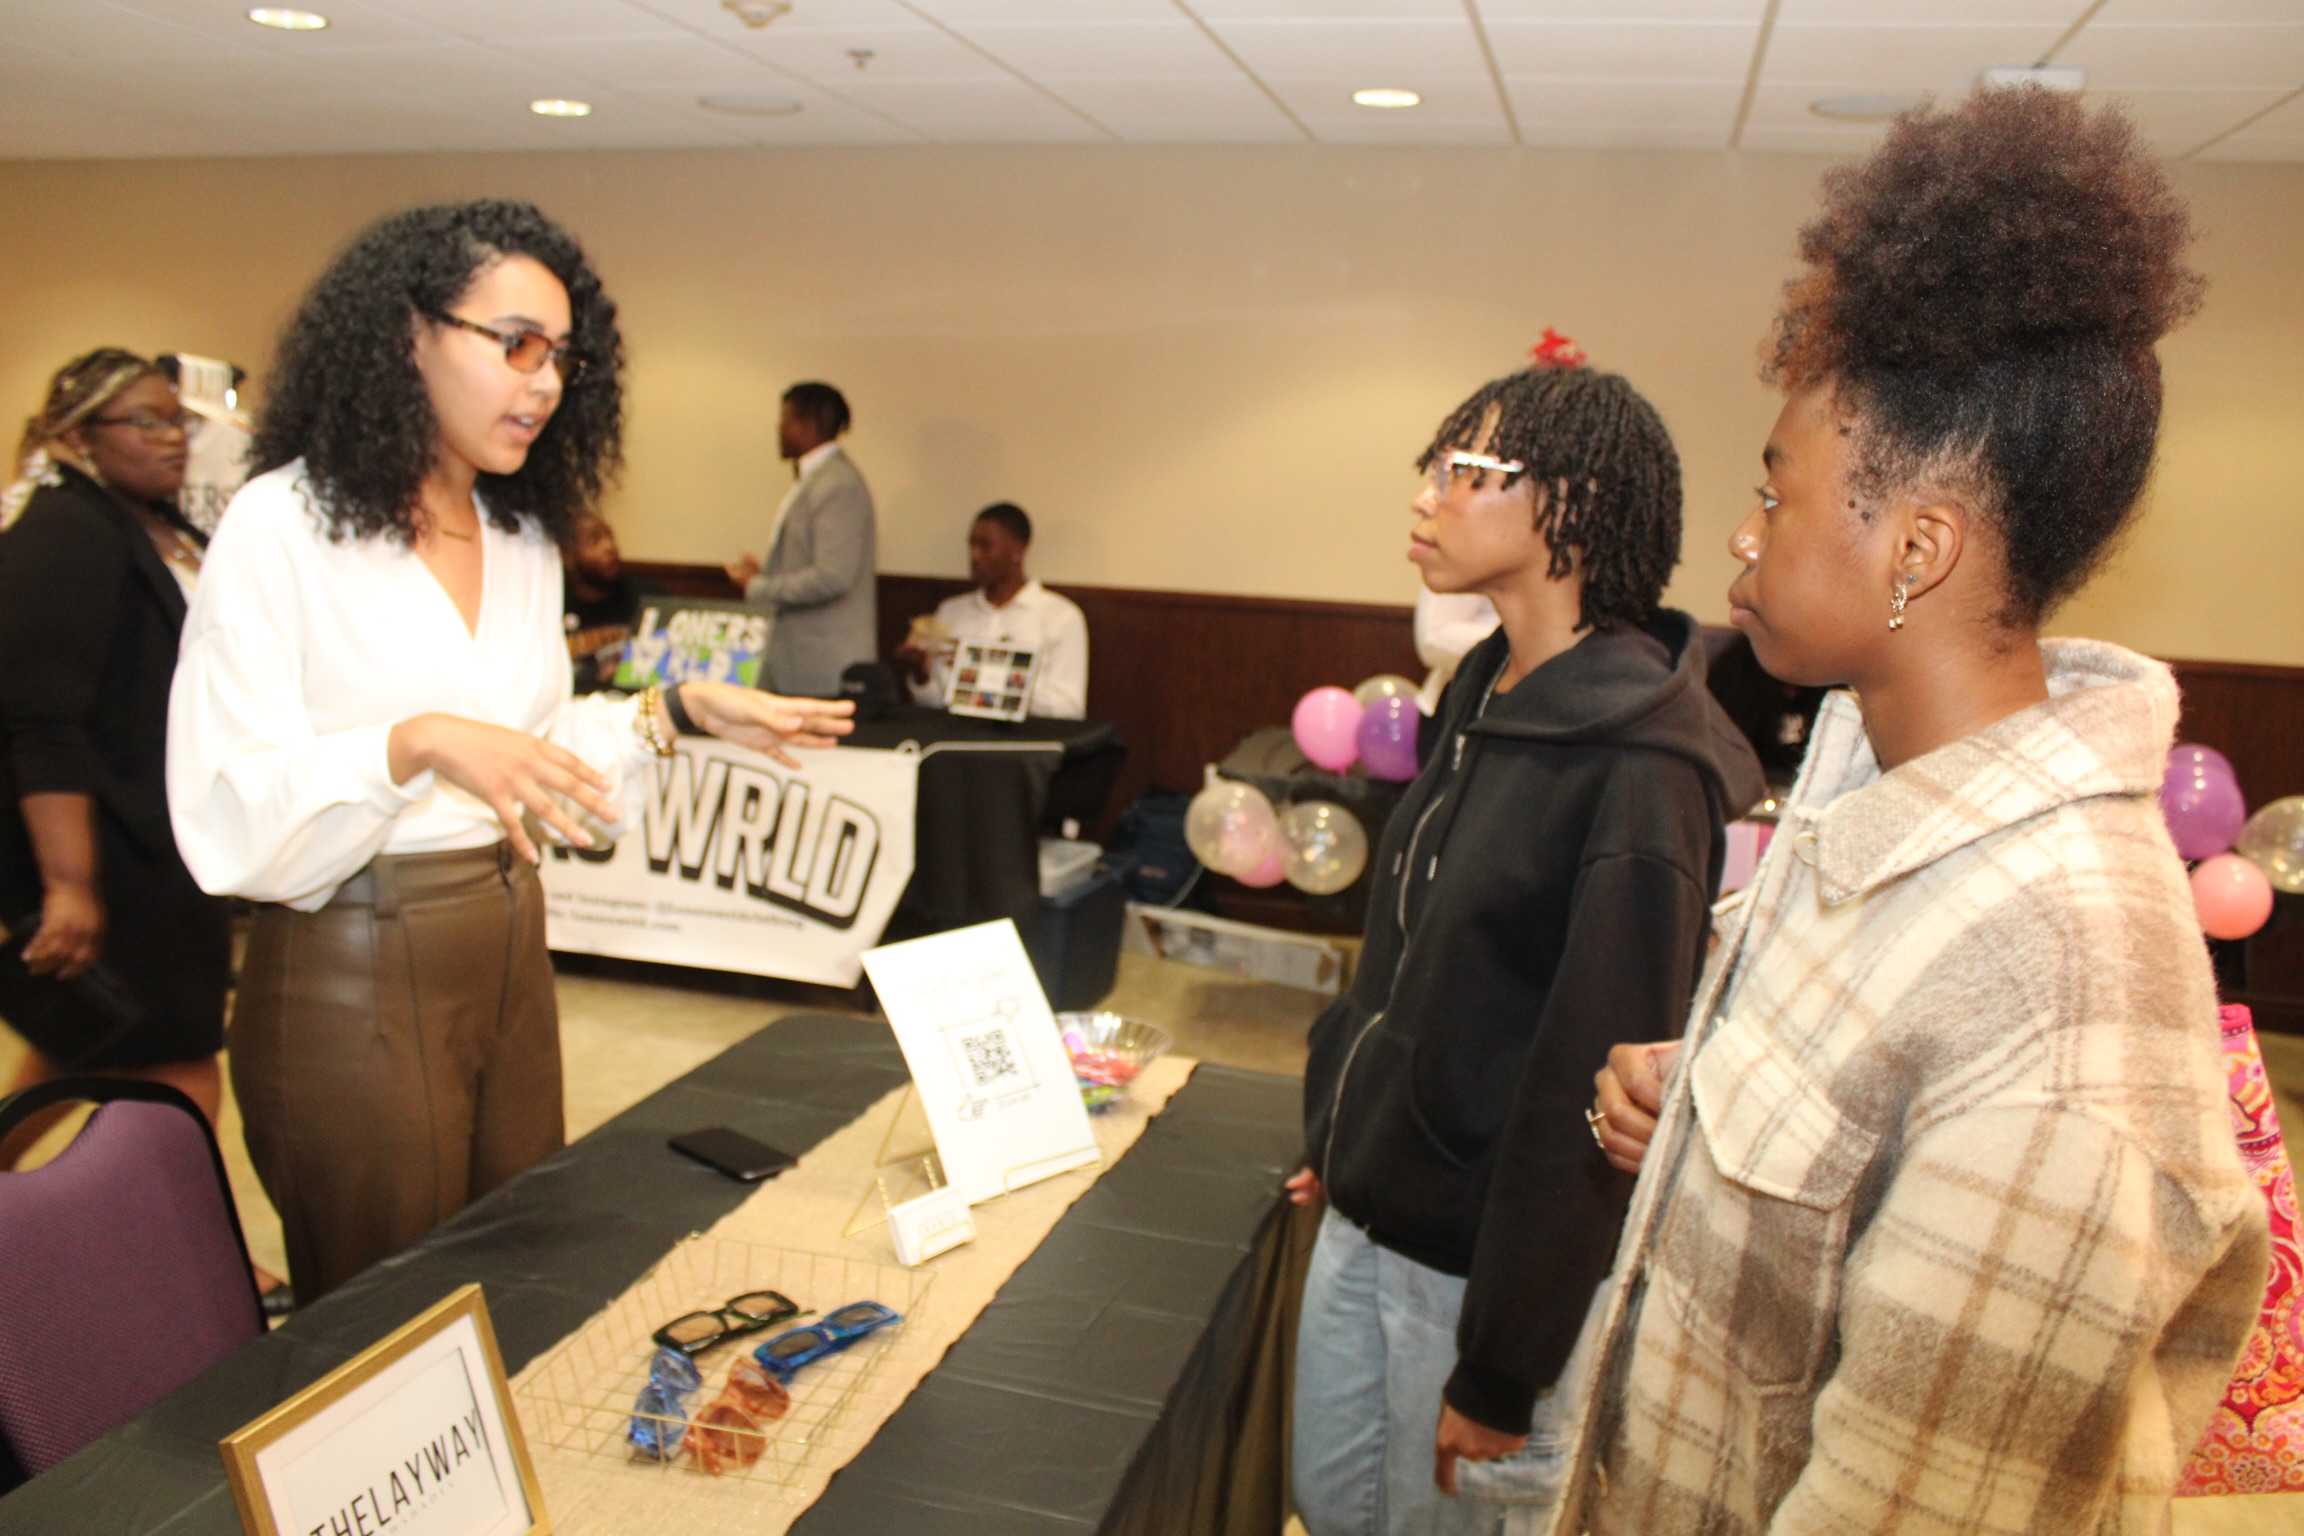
<point>984,1053</point>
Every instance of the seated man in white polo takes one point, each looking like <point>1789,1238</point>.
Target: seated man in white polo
<point>1007,608</point>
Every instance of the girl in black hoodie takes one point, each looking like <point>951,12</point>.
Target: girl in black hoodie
<point>1541,895</point>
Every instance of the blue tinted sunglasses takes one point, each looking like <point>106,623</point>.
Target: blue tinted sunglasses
<point>796,1347</point>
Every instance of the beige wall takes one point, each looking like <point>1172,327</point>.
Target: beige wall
<point>1200,369</point>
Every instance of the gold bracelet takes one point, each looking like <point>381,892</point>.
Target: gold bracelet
<point>651,700</point>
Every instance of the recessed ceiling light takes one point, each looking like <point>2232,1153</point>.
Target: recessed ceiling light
<point>287,21</point>
<point>553,106</point>
<point>1868,106</point>
<point>1386,98</point>
<point>740,105</point>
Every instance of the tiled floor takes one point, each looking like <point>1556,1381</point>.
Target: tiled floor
<point>622,1039</point>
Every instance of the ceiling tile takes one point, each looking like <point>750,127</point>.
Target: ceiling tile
<point>924,55</point>
<point>2055,14</point>
<point>1004,111</point>
<point>1327,10</point>
<point>1622,51</point>
<point>1372,52</point>
<point>2189,58</point>
<point>351,23</point>
<point>95,30</point>
<point>515,21</point>
<point>1749,11</point>
<point>1107,51</point>
<point>1462,111</point>
<point>2124,13</point>
<point>1186,111</point>
<point>964,15</point>
<point>1946,60</point>
<point>1647,113</point>
<point>645,62</point>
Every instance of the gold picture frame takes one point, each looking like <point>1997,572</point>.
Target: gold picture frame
<point>325,1449</point>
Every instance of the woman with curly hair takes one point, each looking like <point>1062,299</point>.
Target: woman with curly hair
<point>121,961</point>
<point>1940,1225</point>
<point>372,724</point>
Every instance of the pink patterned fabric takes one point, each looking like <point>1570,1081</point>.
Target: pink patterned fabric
<point>2255,1441</point>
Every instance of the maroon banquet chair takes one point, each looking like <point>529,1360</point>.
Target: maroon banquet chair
<point>123,1273</point>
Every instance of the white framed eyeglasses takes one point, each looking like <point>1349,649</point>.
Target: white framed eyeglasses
<point>1445,467</point>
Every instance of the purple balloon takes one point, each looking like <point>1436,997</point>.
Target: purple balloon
<point>1387,739</point>
<point>2201,799</point>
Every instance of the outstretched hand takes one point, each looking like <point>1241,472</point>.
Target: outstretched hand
<point>767,722</point>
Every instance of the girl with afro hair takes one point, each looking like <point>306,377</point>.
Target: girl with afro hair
<point>1940,1225</point>
<point>371,727</point>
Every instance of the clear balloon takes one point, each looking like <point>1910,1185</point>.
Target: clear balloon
<point>2273,841</point>
<point>1327,847</point>
<point>1387,739</point>
<point>1326,725</point>
<point>2201,799</point>
<point>1231,828</point>
<point>1384,685</point>
<point>2232,897</point>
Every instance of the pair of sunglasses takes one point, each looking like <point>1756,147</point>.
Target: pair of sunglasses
<point>692,1333</point>
<point>733,1431</point>
<point>794,1348</point>
<point>660,1413</point>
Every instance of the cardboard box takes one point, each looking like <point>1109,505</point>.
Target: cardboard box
<point>1305,960</point>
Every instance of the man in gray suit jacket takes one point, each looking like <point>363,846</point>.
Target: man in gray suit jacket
<point>819,580</point>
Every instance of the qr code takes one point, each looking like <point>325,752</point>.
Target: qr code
<point>990,1056</point>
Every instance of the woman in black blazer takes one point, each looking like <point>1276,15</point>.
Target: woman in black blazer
<point>115,961</point>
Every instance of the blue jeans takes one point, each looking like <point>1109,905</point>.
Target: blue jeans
<point>1374,1347</point>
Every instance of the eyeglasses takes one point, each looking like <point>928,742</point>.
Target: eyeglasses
<point>152,426</point>
<point>787,1352</point>
<point>525,350</point>
<point>1446,466</point>
<point>692,1333</point>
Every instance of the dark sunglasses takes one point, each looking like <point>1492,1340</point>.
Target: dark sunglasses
<point>525,350</point>
<point>692,1333</point>
<point>788,1351</point>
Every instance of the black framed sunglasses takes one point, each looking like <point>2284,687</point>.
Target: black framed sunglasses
<point>526,351</point>
<point>692,1333</point>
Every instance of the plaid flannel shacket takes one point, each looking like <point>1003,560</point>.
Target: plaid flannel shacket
<point>1944,1228</point>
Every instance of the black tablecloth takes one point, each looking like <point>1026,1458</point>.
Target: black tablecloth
<point>1111,1359</point>
<point>985,793</point>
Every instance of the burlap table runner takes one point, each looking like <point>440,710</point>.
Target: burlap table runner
<point>805,1211</point>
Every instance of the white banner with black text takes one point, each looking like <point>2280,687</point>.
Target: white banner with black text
<point>741,865</point>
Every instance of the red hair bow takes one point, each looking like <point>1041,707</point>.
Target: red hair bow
<point>1556,351</point>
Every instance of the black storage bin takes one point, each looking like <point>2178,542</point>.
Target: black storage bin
<point>1076,949</point>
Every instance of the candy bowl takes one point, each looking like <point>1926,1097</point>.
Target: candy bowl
<point>1107,1052</point>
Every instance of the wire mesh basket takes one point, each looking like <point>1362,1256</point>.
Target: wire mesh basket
<point>579,1399</point>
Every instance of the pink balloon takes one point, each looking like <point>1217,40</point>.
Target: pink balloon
<point>1327,726</point>
<point>1249,841</point>
<point>2232,896</point>
<point>1273,870</point>
<point>2200,796</point>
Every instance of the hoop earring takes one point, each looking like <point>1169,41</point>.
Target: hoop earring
<point>1896,601</point>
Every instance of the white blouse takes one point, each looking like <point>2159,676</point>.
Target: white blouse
<point>300,655</point>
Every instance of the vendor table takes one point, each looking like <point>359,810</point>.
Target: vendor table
<point>1121,1380</point>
